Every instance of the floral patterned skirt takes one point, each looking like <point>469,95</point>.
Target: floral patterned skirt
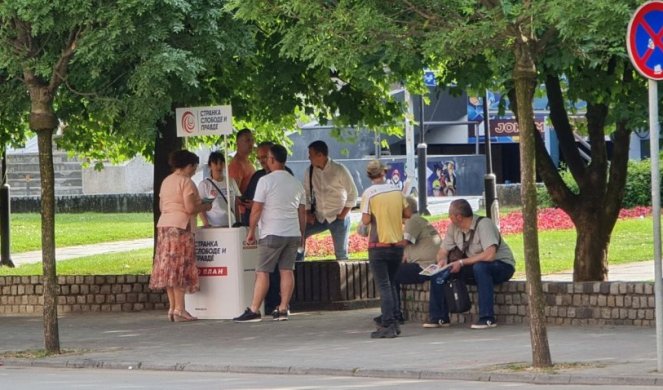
<point>175,260</point>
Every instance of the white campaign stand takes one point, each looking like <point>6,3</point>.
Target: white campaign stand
<point>227,273</point>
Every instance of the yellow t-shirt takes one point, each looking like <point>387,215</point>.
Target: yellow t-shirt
<point>385,203</point>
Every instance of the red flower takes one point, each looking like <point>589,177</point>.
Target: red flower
<point>512,223</point>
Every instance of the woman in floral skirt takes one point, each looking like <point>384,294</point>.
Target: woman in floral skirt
<point>174,265</point>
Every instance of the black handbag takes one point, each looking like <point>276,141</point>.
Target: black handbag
<point>456,296</point>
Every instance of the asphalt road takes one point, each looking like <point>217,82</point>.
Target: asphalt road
<point>62,378</point>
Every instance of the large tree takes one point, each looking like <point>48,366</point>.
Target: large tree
<point>111,73</point>
<point>513,46</point>
<point>578,54</point>
<point>389,40</point>
<point>596,71</point>
<point>87,65</point>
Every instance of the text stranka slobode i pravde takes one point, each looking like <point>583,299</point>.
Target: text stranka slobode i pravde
<point>196,121</point>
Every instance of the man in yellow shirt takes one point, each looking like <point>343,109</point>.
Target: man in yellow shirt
<point>383,208</point>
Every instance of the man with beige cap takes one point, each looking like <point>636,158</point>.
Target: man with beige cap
<point>383,209</point>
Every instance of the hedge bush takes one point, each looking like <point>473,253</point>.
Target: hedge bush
<point>637,188</point>
<point>638,184</point>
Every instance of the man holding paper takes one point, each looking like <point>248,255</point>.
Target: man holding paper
<point>489,261</point>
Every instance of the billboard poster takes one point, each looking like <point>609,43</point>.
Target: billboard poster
<point>446,175</point>
<point>441,177</point>
<point>503,129</point>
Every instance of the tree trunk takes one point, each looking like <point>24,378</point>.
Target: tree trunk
<point>51,332</point>
<point>43,121</point>
<point>524,76</point>
<point>592,241</point>
<point>595,209</point>
<point>167,141</point>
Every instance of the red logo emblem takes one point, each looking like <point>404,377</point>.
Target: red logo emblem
<point>188,122</point>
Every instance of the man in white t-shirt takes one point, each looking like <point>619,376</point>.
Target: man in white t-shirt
<point>279,212</point>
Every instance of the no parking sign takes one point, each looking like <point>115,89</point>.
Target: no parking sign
<point>644,40</point>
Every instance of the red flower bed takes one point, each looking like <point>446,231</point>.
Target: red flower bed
<point>512,223</point>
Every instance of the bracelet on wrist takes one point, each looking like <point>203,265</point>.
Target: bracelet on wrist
<point>461,262</point>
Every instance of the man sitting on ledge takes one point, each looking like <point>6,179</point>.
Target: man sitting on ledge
<point>489,262</point>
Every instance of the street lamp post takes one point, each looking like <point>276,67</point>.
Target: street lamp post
<point>422,158</point>
<point>5,211</point>
<point>489,180</point>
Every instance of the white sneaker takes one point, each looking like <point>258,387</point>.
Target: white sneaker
<point>434,324</point>
<point>484,324</point>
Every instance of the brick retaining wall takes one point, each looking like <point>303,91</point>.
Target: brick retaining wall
<point>342,285</point>
<point>319,285</point>
<point>567,303</point>
<point>23,294</point>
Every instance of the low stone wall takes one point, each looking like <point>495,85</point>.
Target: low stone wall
<point>23,294</point>
<point>509,194</point>
<point>567,303</point>
<point>337,285</point>
<point>319,285</point>
<point>110,203</point>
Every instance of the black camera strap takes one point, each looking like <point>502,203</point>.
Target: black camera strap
<point>310,183</point>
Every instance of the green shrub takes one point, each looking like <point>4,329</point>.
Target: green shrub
<point>637,190</point>
<point>543,199</point>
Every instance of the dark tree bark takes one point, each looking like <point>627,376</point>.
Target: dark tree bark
<point>43,121</point>
<point>51,329</point>
<point>524,76</point>
<point>167,141</point>
<point>595,209</point>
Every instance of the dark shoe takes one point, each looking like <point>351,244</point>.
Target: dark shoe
<point>484,324</point>
<point>248,316</point>
<point>436,324</point>
<point>400,319</point>
<point>378,320</point>
<point>280,315</point>
<point>386,333</point>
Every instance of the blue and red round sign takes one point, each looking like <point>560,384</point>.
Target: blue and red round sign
<point>644,40</point>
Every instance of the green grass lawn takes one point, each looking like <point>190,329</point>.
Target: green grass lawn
<point>136,262</point>
<point>632,241</point>
<point>79,229</point>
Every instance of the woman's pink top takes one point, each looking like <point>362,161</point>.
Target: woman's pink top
<point>178,200</point>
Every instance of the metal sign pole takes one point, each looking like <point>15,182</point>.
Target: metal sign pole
<point>656,215</point>
<point>646,57</point>
<point>410,172</point>
<point>225,168</point>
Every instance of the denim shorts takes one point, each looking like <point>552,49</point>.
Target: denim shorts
<point>277,250</point>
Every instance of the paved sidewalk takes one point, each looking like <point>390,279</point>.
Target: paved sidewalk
<point>338,343</point>
<point>640,271</point>
<point>73,252</point>
<point>630,272</point>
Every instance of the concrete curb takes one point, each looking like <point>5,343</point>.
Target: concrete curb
<point>458,375</point>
